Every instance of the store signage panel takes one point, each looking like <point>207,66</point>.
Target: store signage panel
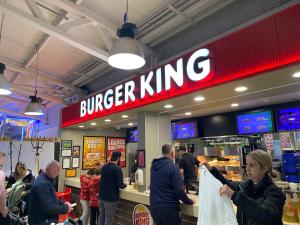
<point>154,83</point>
<point>116,144</point>
<point>250,51</point>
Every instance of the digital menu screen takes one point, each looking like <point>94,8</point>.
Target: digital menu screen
<point>173,131</point>
<point>186,130</point>
<point>133,135</point>
<point>288,119</point>
<point>256,122</point>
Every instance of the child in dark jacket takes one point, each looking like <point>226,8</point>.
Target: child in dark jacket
<point>93,192</point>
<point>85,196</point>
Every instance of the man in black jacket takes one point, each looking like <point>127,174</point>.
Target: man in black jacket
<point>44,207</point>
<point>166,189</point>
<point>110,183</point>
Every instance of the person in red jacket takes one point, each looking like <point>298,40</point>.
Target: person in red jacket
<point>85,197</point>
<point>93,191</point>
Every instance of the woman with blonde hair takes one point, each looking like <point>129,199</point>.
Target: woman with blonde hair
<point>259,201</point>
<point>19,174</point>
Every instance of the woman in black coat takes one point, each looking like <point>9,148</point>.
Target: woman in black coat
<point>259,201</point>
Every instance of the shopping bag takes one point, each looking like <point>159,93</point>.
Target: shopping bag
<point>213,209</point>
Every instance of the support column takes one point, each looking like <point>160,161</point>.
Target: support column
<point>153,131</point>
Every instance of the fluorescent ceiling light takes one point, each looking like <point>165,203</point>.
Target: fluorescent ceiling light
<point>124,116</point>
<point>107,120</point>
<point>81,126</point>
<point>130,124</point>
<point>241,89</point>
<point>199,99</point>
<point>93,124</point>
<point>188,113</point>
<point>296,75</point>
<point>168,106</point>
<point>234,105</point>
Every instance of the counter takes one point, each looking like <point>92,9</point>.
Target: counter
<point>131,197</point>
<point>131,194</point>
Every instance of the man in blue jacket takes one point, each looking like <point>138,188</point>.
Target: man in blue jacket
<point>44,207</point>
<point>166,189</point>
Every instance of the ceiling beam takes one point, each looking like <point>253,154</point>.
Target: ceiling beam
<point>75,24</point>
<point>11,99</point>
<point>35,10</point>
<point>53,31</point>
<point>16,68</point>
<point>96,18</point>
<point>104,36</point>
<point>21,90</point>
<point>86,12</point>
<point>21,114</point>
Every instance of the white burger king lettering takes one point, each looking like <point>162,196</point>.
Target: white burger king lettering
<point>196,68</point>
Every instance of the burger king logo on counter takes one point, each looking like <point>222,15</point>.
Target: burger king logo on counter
<point>141,215</point>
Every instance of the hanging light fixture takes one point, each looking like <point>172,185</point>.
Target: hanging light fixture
<point>4,84</point>
<point>126,53</point>
<point>35,107</point>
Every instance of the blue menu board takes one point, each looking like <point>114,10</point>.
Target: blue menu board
<point>288,119</point>
<point>186,130</point>
<point>256,122</point>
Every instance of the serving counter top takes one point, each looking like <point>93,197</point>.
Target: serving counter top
<point>131,194</point>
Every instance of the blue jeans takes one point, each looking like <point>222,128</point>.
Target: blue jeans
<point>107,212</point>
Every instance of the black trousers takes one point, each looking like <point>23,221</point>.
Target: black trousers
<point>166,216</point>
<point>94,215</point>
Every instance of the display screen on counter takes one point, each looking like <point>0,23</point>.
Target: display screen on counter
<point>133,135</point>
<point>186,130</point>
<point>256,122</point>
<point>288,119</point>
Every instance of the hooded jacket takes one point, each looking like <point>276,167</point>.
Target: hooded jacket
<point>166,185</point>
<point>259,204</point>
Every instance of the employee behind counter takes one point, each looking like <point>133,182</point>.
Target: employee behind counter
<point>188,166</point>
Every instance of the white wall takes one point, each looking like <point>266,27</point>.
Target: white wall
<point>51,128</point>
<point>27,154</point>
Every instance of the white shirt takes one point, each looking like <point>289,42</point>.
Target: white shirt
<point>213,209</point>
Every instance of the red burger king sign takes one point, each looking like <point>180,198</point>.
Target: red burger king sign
<point>141,215</point>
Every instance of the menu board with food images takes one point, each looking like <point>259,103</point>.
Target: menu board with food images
<point>256,122</point>
<point>117,144</point>
<point>269,142</point>
<point>93,152</point>
<point>285,141</point>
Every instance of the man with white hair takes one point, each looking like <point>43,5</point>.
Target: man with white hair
<point>44,207</point>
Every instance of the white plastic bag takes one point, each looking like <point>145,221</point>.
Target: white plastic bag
<point>213,209</point>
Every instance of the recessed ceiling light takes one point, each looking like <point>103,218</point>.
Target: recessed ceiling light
<point>168,106</point>
<point>234,105</point>
<point>130,124</point>
<point>124,116</point>
<point>199,98</point>
<point>296,75</point>
<point>81,126</point>
<point>188,113</point>
<point>93,124</point>
<point>241,89</point>
<point>107,120</point>
<point>292,118</point>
